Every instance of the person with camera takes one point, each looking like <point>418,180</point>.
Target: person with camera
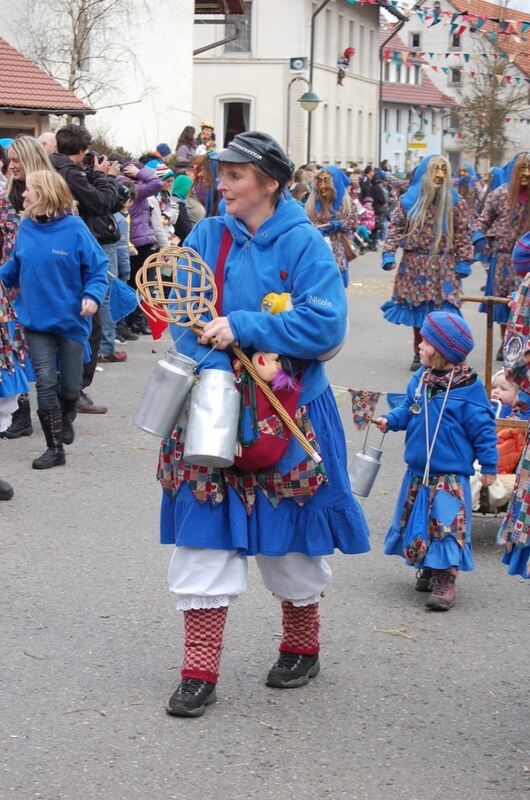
<point>92,181</point>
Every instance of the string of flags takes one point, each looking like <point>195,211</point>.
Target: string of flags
<point>511,80</point>
<point>460,21</point>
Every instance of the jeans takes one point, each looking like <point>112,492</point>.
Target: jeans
<point>108,326</point>
<point>51,386</point>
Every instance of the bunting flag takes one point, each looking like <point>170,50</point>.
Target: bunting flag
<point>363,406</point>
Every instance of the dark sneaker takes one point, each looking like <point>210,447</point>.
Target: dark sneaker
<point>190,698</point>
<point>416,363</point>
<point>423,580</point>
<point>291,671</point>
<point>126,334</point>
<point>443,595</point>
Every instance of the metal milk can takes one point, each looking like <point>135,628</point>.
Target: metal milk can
<point>364,468</point>
<point>166,394</point>
<point>211,434</point>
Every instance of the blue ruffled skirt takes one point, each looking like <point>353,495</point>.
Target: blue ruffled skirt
<point>441,553</point>
<point>331,519</point>
<point>517,561</point>
<point>413,316</point>
<point>501,311</point>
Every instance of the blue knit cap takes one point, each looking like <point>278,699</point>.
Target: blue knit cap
<point>449,334</point>
<point>521,255</point>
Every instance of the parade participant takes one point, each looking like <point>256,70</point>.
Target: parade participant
<point>449,424</point>
<point>13,351</point>
<point>466,186</point>
<point>430,223</point>
<point>294,513</point>
<point>330,208</point>
<point>205,139</point>
<point>61,272</point>
<point>513,534</point>
<point>25,155</point>
<point>505,217</point>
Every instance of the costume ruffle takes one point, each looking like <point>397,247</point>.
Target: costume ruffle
<point>413,316</point>
<point>501,312</point>
<point>517,561</point>
<point>442,553</point>
<point>331,519</point>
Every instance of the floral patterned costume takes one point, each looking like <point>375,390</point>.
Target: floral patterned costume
<point>500,226</point>
<point>333,218</point>
<point>426,282</point>
<point>513,533</point>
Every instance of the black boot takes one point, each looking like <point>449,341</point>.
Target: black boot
<point>69,413</point>
<point>20,421</point>
<point>6,490</point>
<point>138,323</point>
<point>51,421</point>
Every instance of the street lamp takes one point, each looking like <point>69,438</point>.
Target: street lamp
<point>309,101</point>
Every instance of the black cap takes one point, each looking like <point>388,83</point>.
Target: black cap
<point>261,149</point>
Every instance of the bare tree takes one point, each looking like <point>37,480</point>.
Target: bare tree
<point>485,104</point>
<point>81,43</point>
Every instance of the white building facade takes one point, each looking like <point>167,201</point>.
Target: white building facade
<point>453,74</point>
<point>247,84</point>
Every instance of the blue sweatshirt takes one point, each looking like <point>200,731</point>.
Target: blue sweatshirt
<point>467,431</point>
<point>287,254</point>
<point>56,264</point>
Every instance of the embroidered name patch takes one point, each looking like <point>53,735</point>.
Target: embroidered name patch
<point>315,300</point>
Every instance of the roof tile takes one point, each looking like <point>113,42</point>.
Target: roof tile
<point>25,85</point>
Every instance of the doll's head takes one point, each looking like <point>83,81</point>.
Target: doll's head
<point>447,340</point>
<point>277,370</point>
<point>502,389</point>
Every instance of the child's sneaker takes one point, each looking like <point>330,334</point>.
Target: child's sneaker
<point>443,595</point>
<point>423,580</point>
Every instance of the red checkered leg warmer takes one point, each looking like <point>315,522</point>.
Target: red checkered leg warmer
<point>301,625</point>
<point>203,642</point>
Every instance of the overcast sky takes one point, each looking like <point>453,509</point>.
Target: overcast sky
<point>520,5</point>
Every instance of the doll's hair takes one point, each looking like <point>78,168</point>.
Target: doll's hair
<point>54,198</point>
<point>285,378</point>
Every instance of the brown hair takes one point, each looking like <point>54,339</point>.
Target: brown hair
<point>264,178</point>
<point>438,361</point>
<point>54,198</point>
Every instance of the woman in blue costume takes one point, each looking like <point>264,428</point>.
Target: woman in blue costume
<point>291,515</point>
<point>431,224</point>
<point>330,208</point>
<point>449,424</point>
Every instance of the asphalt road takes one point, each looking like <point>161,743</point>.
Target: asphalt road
<point>409,704</point>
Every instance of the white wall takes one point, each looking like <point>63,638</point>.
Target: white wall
<point>262,76</point>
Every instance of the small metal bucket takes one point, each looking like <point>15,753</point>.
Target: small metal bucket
<point>364,468</point>
<point>211,434</point>
<point>166,394</point>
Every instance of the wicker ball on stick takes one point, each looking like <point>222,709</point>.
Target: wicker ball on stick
<point>190,279</point>
<point>193,294</point>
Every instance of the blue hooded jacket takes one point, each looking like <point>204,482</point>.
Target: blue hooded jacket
<point>467,431</point>
<point>56,264</point>
<point>286,254</point>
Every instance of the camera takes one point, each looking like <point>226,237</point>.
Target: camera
<point>90,158</point>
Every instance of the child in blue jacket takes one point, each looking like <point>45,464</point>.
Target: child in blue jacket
<point>62,274</point>
<point>446,398</point>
